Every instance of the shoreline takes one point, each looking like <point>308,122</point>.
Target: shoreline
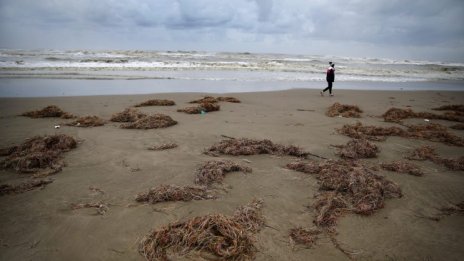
<point>77,87</point>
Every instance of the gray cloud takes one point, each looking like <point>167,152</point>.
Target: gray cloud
<point>370,27</point>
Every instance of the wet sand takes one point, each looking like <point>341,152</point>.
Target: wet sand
<point>39,224</point>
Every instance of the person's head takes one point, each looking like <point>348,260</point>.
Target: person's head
<point>330,63</point>
<point>333,64</point>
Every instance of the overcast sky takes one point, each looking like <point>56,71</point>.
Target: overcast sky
<point>414,29</point>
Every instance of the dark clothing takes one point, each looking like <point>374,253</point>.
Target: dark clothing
<point>328,87</point>
<point>330,74</point>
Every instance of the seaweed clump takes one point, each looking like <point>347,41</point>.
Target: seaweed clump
<point>244,146</point>
<point>358,148</point>
<point>201,108</point>
<point>87,121</point>
<point>156,102</point>
<point>453,107</point>
<point>38,153</point>
<point>453,209</point>
<point>173,193</point>
<point>306,237</point>
<point>403,167</point>
<point>49,111</point>
<point>7,189</point>
<point>214,171</point>
<point>164,146</point>
<point>348,111</point>
<point>428,153</point>
<point>347,186</point>
<point>397,114</point>
<point>228,99</point>
<point>128,115</point>
<point>431,132</point>
<point>151,122</point>
<point>226,237</point>
<point>211,99</point>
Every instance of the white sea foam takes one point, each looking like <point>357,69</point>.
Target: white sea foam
<point>230,66</point>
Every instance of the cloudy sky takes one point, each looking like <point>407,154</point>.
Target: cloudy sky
<point>414,29</point>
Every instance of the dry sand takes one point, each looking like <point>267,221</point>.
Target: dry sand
<point>40,224</point>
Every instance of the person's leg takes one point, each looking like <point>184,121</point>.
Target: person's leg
<point>330,88</point>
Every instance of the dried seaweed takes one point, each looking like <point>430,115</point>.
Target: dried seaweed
<point>428,153</point>
<point>214,171</point>
<point>128,115</point>
<point>227,238</point>
<point>244,146</point>
<point>397,114</point>
<point>202,108</point>
<point>228,99</point>
<point>306,237</point>
<point>87,121</point>
<point>164,146</point>
<point>431,132</point>
<point>454,107</point>
<point>453,209</point>
<point>207,99</point>
<point>151,122</point>
<point>403,167</point>
<point>38,154</point>
<point>49,111</point>
<point>174,193</point>
<point>349,186</point>
<point>7,189</point>
<point>348,111</point>
<point>458,126</point>
<point>156,102</point>
<point>358,148</point>
<point>101,207</point>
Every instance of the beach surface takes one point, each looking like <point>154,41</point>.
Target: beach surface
<point>40,225</point>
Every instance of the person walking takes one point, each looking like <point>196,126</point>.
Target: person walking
<point>330,77</point>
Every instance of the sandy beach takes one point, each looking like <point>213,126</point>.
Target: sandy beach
<point>113,165</point>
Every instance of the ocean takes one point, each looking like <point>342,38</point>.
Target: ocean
<point>33,73</point>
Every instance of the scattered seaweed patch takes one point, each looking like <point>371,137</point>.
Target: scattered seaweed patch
<point>228,99</point>
<point>358,148</point>
<point>402,167</point>
<point>87,121</point>
<point>431,132</point>
<point>458,126</point>
<point>397,115</point>
<point>428,153</point>
<point>164,146</point>
<point>453,209</point>
<point>206,99</point>
<point>151,122</point>
<point>38,154</point>
<point>348,111</point>
<point>306,237</point>
<point>49,111</point>
<point>99,206</point>
<point>156,102</point>
<point>128,115</point>
<point>7,189</point>
<point>174,193</point>
<point>454,107</point>
<point>348,186</point>
<point>202,108</point>
<point>214,171</point>
<point>244,146</point>
<point>227,238</point>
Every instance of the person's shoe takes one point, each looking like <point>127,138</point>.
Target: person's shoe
<point>322,94</point>
<point>331,95</point>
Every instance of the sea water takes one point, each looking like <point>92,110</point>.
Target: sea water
<point>32,73</point>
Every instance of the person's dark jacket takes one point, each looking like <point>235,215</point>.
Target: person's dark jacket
<point>330,74</point>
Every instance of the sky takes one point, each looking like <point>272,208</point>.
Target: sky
<point>414,29</point>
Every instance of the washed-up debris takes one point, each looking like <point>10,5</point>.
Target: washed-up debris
<point>174,193</point>
<point>156,102</point>
<point>428,153</point>
<point>87,121</point>
<point>128,115</point>
<point>347,111</point>
<point>358,148</point>
<point>8,189</point>
<point>38,154</point>
<point>403,167</point>
<point>214,171</point>
<point>227,238</point>
<point>164,146</point>
<point>49,111</point>
<point>151,122</point>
